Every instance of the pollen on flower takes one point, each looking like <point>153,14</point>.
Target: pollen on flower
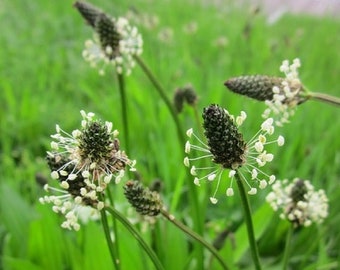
<point>254,173</point>
<point>272,179</point>
<point>115,43</point>
<point>189,132</point>
<point>100,206</point>
<point>64,185</point>
<point>252,191</point>
<point>187,147</point>
<point>259,146</point>
<point>54,145</point>
<point>55,175</point>
<point>263,184</point>
<point>193,170</point>
<point>213,200</point>
<point>232,173</point>
<point>72,176</point>
<point>84,162</point>
<point>240,119</point>
<point>107,178</point>
<point>186,162</point>
<point>298,202</point>
<point>267,126</point>
<point>226,150</point>
<point>85,174</point>
<point>211,177</point>
<point>230,192</point>
<point>286,95</point>
<point>280,140</point>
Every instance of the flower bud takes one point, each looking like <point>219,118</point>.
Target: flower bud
<point>108,35</point>
<point>258,87</point>
<point>145,202</point>
<point>89,12</point>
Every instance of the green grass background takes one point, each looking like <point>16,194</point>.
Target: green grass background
<point>44,81</point>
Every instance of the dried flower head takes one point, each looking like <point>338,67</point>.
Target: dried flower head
<point>281,95</point>
<point>298,202</point>
<point>178,100</point>
<point>84,163</point>
<point>227,149</point>
<point>186,94</point>
<point>145,201</point>
<point>115,41</point>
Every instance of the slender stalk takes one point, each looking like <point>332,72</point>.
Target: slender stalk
<point>109,241</point>
<point>197,119</point>
<point>287,247</point>
<point>195,236</point>
<point>114,224</point>
<point>163,95</point>
<point>179,185</point>
<point>136,235</point>
<point>121,86</point>
<point>325,98</point>
<point>249,222</point>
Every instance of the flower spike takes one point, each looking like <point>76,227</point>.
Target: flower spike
<point>145,201</point>
<point>115,41</point>
<point>227,150</point>
<point>298,202</point>
<point>84,163</point>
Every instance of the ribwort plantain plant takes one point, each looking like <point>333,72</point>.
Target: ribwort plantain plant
<point>88,162</point>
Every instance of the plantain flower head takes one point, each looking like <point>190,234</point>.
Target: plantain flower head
<point>280,94</point>
<point>298,202</point>
<point>83,163</point>
<point>115,41</point>
<point>145,201</point>
<point>226,150</point>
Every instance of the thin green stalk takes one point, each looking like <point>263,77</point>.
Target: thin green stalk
<point>249,223</point>
<point>325,98</point>
<point>197,119</point>
<point>287,246</point>
<point>179,185</point>
<point>136,235</point>
<point>115,259</point>
<point>164,97</point>
<point>195,236</point>
<point>121,86</point>
<point>114,224</point>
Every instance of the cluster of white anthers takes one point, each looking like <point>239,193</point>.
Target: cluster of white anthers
<point>286,96</point>
<point>130,44</point>
<point>298,202</point>
<point>83,163</point>
<point>255,157</point>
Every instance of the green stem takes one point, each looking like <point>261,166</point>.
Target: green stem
<point>136,235</point>
<point>114,224</point>
<point>195,236</point>
<point>287,246</point>
<point>249,222</point>
<point>198,123</point>
<point>121,86</point>
<point>325,98</point>
<point>179,184</point>
<point>163,95</point>
<point>115,259</point>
